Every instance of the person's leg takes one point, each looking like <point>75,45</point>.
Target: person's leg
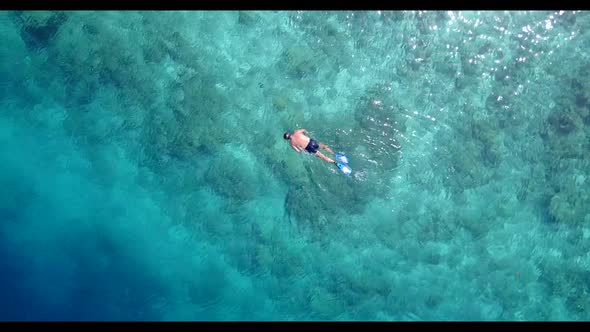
<point>321,155</point>
<point>327,148</point>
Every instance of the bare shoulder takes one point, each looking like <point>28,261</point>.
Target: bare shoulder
<point>301,130</point>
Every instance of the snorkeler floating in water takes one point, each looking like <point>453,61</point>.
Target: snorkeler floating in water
<point>300,141</point>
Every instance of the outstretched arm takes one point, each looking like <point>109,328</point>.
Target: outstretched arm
<point>296,148</point>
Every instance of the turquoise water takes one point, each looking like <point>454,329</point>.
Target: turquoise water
<point>144,176</point>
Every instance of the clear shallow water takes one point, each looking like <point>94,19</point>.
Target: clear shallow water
<point>144,175</point>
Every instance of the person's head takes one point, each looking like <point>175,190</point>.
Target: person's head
<point>286,135</point>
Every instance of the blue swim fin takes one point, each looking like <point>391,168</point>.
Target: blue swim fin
<point>342,158</point>
<point>344,168</point>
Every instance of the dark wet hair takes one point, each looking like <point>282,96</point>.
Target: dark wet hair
<point>286,135</point>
